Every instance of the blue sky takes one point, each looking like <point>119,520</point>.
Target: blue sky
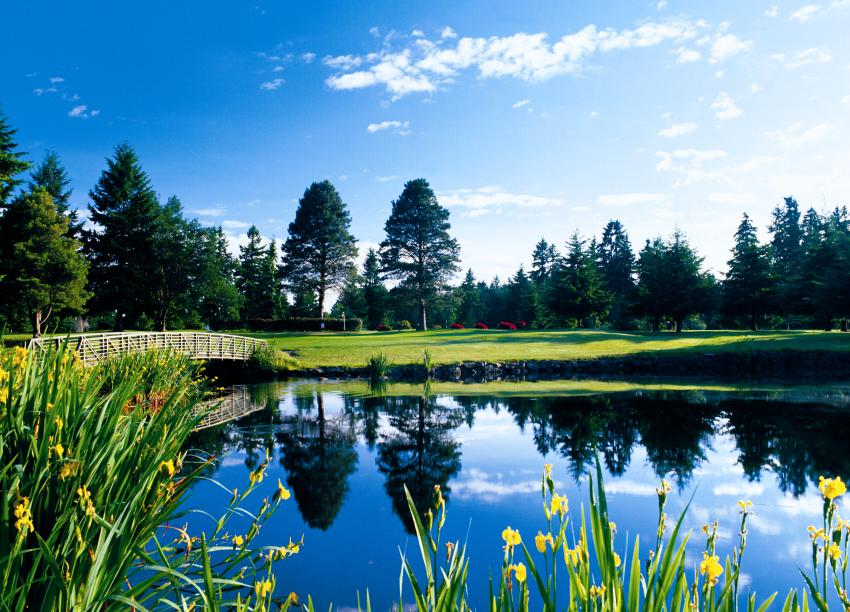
<point>529,120</point>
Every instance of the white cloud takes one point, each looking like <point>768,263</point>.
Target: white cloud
<point>82,112</point>
<point>804,13</point>
<point>231,225</point>
<point>493,198</point>
<point>846,99</point>
<point>402,128</point>
<point>208,212</point>
<point>521,103</point>
<point>724,107</point>
<point>662,4</point>
<point>271,85</point>
<point>417,33</point>
<point>689,164</point>
<point>43,90</point>
<point>685,55</point>
<point>308,57</point>
<point>814,55</point>
<point>427,65</point>
<point>678,129</point>
<point>628,199</point>
<point>734,199</point>
<point>629,487</point>
<point>726,46</point>
<point>386,179</point>
<point>447,32</point>
<point>745,489</point>
<point>755,88</point>
<point>796,135</point>
<point>772,12</point>
<point>55,80</point>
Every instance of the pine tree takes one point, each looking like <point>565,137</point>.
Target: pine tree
<point>617,264</point>
<point>577,293</point>
<point>418,249</point>
<point>51,176</point>
<point>173,272</point>
<point>125,214</point>
<point>786,255</point>
<point>746,290</point>
<point>218,299</point>
<point>352,299</point>
<point>12,161</point>
<point>374,292</point>
<point>825,286</point>
<point>522,297</point>
<point>543,259</point>
<point>469,294</point>
<point>651,283</point>
<point>41,269</point>
<point>257,278</point>
<point>319,252</point>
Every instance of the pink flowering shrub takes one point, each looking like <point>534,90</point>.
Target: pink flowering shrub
<point>481,325</point>
<point>456,326</point>
<point>507,325</point>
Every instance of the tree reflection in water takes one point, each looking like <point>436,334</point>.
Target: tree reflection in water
<point>318,455</point>
<point>414,438</point>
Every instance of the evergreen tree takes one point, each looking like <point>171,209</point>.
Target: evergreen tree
<point>257,278</point>
<point>121,246</point>
<point>671,282</point>
<point>746,290</point>
<point>51,176</point>
<point>352,299</point>
<point>825,285</point>
<point>577,293</point>
<point>418,249</point>
<point>319,252</point>
<point>543,259</point>
<point>617,264</point>
<point>522,298</point>
<point>786,255</point>
<point>41,269</point>
<point>218,297</point>
<point>812,230</point>
<point>173,271</point>
<point>469,295</point>
<point>12,161</point>
<point>375,294</point>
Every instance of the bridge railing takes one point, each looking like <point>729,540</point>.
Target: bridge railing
<point>237,404</point>
<point>93,348</point>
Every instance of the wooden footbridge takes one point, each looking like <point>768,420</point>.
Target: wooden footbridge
<point>93,348</point>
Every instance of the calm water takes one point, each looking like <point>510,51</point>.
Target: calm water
<point>345,455</point>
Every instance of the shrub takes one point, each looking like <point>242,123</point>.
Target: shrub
<point>481,325</point>
<point>457,326</point>
<point>382,327</point>
<point>403,324</point>
<point>290,324</point>
<point>507,325</point>
<point>266,360</point>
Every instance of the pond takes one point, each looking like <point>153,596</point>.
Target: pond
<point>346,453</point>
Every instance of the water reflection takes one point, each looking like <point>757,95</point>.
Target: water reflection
<point>415,441</point>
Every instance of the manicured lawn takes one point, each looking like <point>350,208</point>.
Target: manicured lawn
<point>452,346</point>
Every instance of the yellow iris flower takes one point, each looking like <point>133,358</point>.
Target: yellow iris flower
<point>559,505</point>
<point>710,567</point>
<point>831,488</point>
<point>263,588</point>
<point>519,571</point>
<point>282,492</point>
<point>540,541</point>
<point>237,540</point>
<point>511,537</point>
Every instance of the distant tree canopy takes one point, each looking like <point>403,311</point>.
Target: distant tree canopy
<point>138,262</point>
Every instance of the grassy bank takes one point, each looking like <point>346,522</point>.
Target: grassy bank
<point>451,346</point>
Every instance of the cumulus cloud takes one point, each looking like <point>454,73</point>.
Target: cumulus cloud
<point>402,128</point>
<point>688,165</point>
<point>684,55</point>
<point>271,85</point>
<point>491,198</point>
<point>82,112</point>
<point>308,57</point>
<point>425,65</point>
<point>231,225</point>
<point>724,107</point>
<point>813,55</point>
<point>678,129</point>
<point>796,134</point>
<point>520,103</point>
<point>447,32</point>
<point>772,12</point>
<point>208,212</point>
<point>804,13</point>
<point>726,46</point>
<point>628,199</point>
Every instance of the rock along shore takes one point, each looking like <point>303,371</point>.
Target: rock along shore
<point>831,366</point>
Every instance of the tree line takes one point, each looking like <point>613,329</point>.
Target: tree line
<point>141,263</point>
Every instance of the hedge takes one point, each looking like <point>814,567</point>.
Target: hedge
<point>290,324</point>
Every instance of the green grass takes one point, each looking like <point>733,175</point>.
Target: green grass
<point>353,349</point>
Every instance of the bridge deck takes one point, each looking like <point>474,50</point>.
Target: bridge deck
<point>93,348</point>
